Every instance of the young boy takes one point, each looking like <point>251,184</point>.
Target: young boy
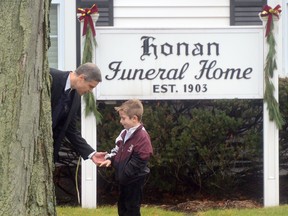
<point>130,157</point>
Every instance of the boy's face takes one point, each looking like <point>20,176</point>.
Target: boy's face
<point>126,121</point>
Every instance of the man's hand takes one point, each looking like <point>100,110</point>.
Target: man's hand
<point>98,157</point>
<point>106,163</point>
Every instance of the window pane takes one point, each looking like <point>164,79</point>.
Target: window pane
<point>53,50</point>
<point>53,53</point>
<point>53,19</point>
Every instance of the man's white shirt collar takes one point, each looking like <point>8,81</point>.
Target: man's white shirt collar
<point>68,84</point>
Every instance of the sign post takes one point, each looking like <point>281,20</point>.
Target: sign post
<point>88,123</point>
<point>270,127</point>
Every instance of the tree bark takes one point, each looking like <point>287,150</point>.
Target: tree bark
<point>26,147</point>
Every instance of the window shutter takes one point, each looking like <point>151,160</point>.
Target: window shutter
<point>106,18</point>
<point>105,10</point>
<point>245,12</point>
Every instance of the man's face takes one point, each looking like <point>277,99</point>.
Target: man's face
<point>83,86</point>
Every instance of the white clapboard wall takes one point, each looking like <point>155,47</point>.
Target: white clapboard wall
<point>171,13</point>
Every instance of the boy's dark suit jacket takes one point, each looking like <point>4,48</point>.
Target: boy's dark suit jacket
<point>66,128</point>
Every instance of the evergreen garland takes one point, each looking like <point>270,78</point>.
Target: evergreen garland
<point>90,103</point>
<point>271,65</point>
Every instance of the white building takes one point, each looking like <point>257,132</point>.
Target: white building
<point>145,13</point>
<point>65,33</point>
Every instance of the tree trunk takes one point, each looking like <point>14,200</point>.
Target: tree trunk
<point>26,166</point>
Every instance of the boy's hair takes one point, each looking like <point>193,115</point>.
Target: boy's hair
<point>91,72</point>
<point>131,107</point>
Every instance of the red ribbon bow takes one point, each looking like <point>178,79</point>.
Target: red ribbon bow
<point>268,11</point>
<point>86,15</point>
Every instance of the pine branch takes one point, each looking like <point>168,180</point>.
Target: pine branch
<point>270,67</point>
<point>89,99</point>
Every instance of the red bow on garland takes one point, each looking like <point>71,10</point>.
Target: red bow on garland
<point>268,11</point>
<point>86,15</point>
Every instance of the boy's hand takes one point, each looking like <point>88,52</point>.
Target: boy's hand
<point>106,163</point>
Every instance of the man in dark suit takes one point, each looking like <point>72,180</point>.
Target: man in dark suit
<point>66,91</point>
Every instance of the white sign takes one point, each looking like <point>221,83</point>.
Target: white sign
<point>205,63</point>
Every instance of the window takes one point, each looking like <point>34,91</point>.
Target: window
<point>245,12</point>
<point>56,50</point>
<point>105,19</point>
<point>53,50</point>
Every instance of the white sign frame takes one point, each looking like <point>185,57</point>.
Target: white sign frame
<point>245,42</point>
<point>271,133</point>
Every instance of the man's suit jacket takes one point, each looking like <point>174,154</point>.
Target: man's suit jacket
<point>66,128</point>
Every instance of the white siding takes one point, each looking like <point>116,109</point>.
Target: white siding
<point>168,13</point>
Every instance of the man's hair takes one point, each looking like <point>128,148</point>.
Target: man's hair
<point>91,72</point>
<point>131,107</point>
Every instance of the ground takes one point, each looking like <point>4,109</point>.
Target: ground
<point>175,203</point>
<point>187,203</point>
<point>204,205</point>
<point>249,195</point>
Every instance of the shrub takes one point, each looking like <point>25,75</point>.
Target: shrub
<point>197,144</point>
<point>200,145</point>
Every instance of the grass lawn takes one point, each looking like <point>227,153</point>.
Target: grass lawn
<point>112,210</point>
<point>268,211</point>
<point>155,211</point>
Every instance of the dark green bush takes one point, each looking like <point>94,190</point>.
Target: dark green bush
<point>199,145</point>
